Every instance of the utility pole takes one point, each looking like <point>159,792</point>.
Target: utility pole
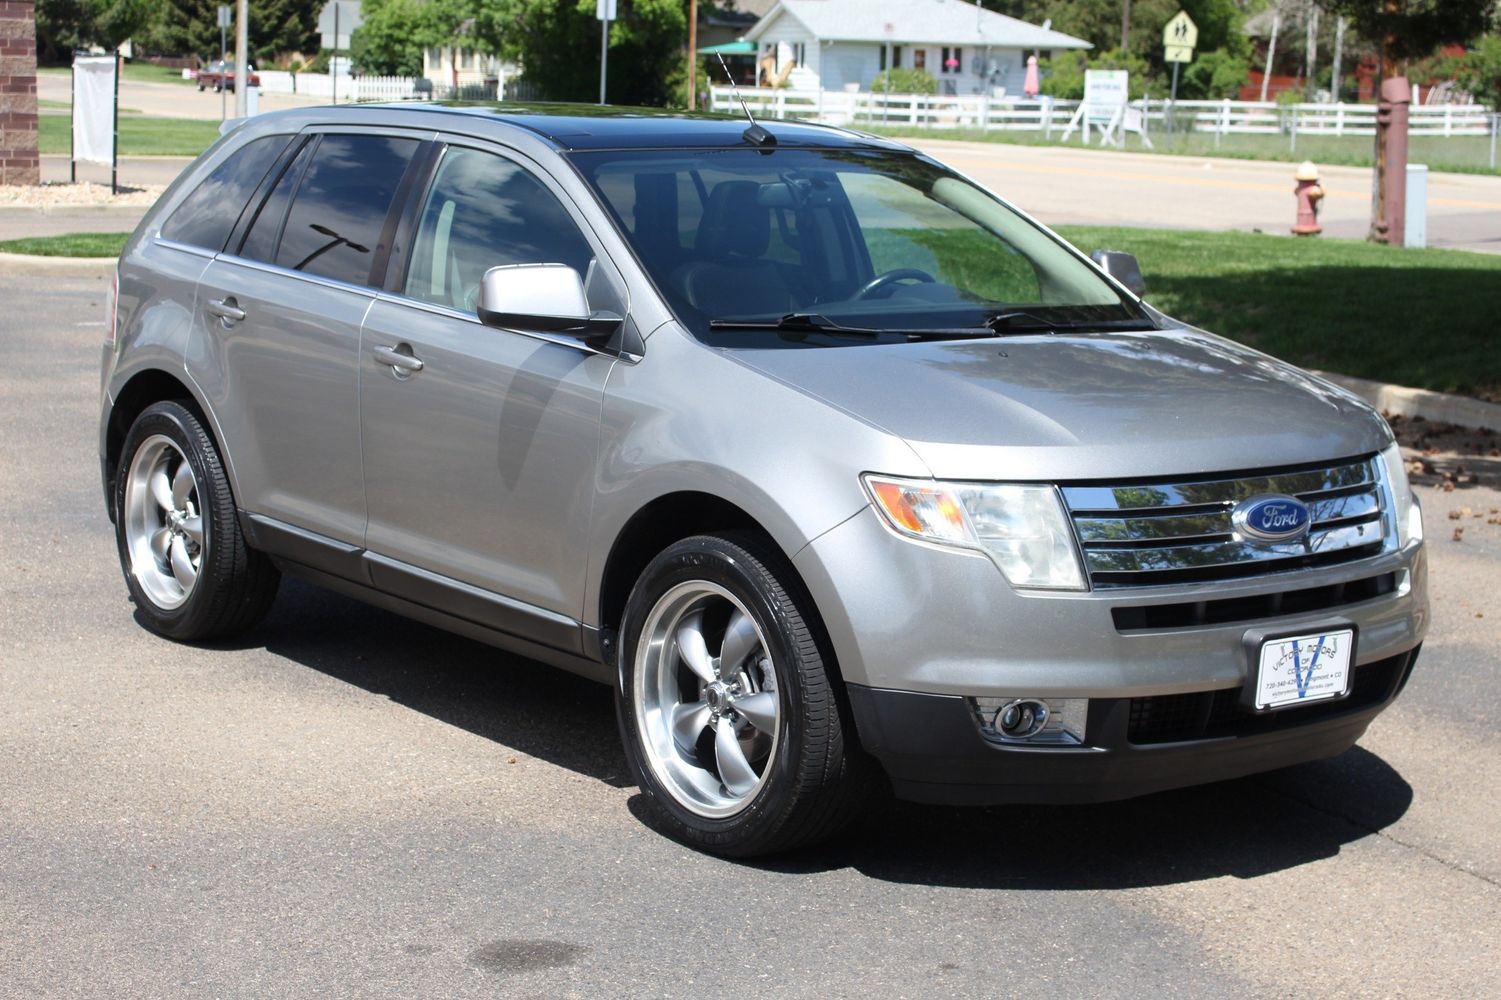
<point>1311,53</point>
<point>1125,25</point>
<point>692,54</point>
<point>1339,46</point>
<point>242,57</point>
<point>1271,51</point>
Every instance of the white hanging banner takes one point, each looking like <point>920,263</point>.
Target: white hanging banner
<point>94,108</point>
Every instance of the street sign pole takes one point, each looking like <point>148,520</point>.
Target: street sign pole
<point>242,59</point>
<point>1179,37</point>
<point>225,15</point>
<point>604,10</point>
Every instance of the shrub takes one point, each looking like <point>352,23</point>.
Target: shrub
<point>905,81</point>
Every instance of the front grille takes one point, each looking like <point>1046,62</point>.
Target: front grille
<point>1174,718</point>
<point>1179,531</point>
<point>1227,610</point>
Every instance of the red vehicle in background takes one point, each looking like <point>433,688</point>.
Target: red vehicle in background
<point>220,75</point>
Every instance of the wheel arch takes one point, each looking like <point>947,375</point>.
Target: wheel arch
<point>141,390</point>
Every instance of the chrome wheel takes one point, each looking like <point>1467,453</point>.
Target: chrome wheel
<point>706,699</point>
<point>163,522</point>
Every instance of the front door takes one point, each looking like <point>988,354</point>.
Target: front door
<point>480,454</point>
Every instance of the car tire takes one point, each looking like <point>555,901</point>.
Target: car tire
<point>741,758</point>
<point>200,88</point>
<point>190,572</point>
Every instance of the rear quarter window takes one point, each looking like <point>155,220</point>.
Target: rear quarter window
<point>205,217</point>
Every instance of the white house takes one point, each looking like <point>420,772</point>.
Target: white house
<point>845,43</point>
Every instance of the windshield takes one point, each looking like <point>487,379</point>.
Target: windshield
<point>817,245</point>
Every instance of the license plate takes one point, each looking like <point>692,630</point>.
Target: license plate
<point>1300,669</point>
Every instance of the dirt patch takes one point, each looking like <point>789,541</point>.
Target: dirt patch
<point>1449,457</point>
<point>49,196</point>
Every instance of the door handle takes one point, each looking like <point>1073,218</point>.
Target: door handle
<point>226,309</point>
<point>398,358</point>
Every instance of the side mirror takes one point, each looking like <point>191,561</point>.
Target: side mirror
<point>547,297</point>
<point>1123,268</point>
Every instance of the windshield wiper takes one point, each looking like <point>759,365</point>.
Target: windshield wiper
<point>797,322</point>
<point>806,323</point>
<point>1005,321</point>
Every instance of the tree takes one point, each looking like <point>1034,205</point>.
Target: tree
<point>65,26</point>
<point>1214,75</point>
<point>191,27</point>
<point>1480,71</point>
<point>1403,30</point>
<point>557,44</point>
<point>390,41</point>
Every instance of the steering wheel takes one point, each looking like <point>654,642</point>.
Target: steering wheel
<point>895,274</point>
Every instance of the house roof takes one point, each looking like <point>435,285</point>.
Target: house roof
<point>952,22</point>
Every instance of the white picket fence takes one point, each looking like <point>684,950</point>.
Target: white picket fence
<point>1046,115</point>
<point>350,88</point>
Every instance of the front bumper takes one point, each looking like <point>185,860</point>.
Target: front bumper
<point>932,748</point>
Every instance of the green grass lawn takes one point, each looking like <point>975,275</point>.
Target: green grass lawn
<point>135,72</point>
<point>138,136</point>
<point>1455,154</point>
<point>1422,318</point>
<point>68,245</point>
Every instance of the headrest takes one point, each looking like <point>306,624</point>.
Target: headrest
<point>734,224</point>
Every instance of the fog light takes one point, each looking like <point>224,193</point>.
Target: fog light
<point>1021,719</point>
<point>1055,722</point>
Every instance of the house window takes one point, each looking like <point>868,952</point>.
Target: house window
<point>466,59</point>
<point>919,58</point>
<point>435,58</point>
<point>953,60</point>
<point>800,53</point>
<point>896,56</point>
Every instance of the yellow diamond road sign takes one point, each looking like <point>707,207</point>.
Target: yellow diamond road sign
<point>1180,33</point>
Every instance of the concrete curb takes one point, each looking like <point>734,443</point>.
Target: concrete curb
<point>1435,406</point>
<point>26,263</point>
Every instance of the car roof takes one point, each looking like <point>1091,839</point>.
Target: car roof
<point>572,127</point>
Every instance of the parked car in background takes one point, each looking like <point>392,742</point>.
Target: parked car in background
<point>840,470</point>
<point>220,75</point>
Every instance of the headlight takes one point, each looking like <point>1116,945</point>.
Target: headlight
<point>1021,527</point>
<point>1408,513</point>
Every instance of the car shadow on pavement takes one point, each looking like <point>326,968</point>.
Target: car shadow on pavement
<point>1244,829</point>
<point>519,703</point>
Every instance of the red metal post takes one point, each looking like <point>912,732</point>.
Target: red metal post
<point>1391,119</point>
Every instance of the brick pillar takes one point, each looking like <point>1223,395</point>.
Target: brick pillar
<point>18,151</point>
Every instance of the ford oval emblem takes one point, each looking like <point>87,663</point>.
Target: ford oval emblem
<point>1270,518</point>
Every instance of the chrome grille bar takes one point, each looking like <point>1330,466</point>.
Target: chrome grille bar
<point>1159,533</point>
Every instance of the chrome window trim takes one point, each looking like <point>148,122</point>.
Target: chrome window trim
<point>448,312</point>
<point>158,240</point>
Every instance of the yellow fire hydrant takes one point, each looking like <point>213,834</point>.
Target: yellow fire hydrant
<point>1309,193</point>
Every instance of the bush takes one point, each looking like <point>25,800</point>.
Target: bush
<point>1063,75</point>
<point>905,81</point>
<point>1212,76</point>
<point>1480,71</point>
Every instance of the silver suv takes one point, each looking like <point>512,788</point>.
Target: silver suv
<point>840,470</point>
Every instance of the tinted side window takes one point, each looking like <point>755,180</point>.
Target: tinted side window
<point>483,211</point>
<point>340,207</point>
<point>206,216</point>
<point>265,230</point>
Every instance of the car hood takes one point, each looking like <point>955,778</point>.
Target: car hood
<point>1086,406</point>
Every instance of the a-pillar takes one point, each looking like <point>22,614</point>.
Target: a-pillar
<point>19,163</point>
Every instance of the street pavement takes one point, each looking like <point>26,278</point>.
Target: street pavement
<point>346,803</point>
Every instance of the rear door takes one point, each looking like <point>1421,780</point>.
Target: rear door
<point>480,465</point>
<point>280,313</point>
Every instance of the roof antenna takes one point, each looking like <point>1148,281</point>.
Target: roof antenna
<point>755,135</point>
